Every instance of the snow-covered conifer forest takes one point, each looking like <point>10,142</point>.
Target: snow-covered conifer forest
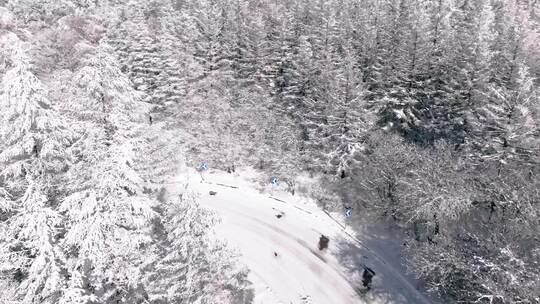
<point>423,115</point>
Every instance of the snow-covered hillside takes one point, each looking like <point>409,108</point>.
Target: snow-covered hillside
<point>260,224</point>
<point>421,117</point>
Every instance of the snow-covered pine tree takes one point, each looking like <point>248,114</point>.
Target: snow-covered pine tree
<point>471,51</point>
<point>463,67</point>
<point>504,127</point>
<point>107,212</point>
<point>432,110</point>
<point>247,44</point>
<point>396,48</point>
<point>151,53</point>
<point>345,118</point>
<point>375,39</point>
<point>401,110</point>
<point>214,45</point>
<point>34,141</point>
<point>192,266</point>
<point>502,124</point>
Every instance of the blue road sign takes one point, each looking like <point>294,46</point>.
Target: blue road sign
<point>274,181</point>
<point>348,212</point>
<point>203,166</point>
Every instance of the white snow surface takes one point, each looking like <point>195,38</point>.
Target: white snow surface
<point>300,273</point>
<point>6,17</point>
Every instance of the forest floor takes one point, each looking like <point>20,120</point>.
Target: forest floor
<point>261,223</point>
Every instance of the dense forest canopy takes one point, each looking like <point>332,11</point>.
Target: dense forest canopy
<point>424,112</point>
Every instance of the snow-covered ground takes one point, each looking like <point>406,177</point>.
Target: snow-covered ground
<point>300,273</point>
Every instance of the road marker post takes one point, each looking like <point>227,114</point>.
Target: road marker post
<point>201,168</point>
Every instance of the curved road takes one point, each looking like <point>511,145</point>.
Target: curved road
<point>259,226</point>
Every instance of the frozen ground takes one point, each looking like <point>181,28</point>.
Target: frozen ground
<point>301,273</point>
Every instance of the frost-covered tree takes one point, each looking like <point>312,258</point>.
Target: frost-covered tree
<point>346,117</point>
<point>469,256</point>
<point>34,136</point>
<point>34,140</point>
<point>506,124</point>
<point>107,212</point>
<point>191,265</point>
<point>152,62</point>
<point>459,217</point>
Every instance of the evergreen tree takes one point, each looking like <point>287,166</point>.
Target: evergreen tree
<point>346,116</point>
<point>191,266</point>
<point>107,212</point>
<point>33,154</point>
<point>506,124</point>
<point>434,108</point>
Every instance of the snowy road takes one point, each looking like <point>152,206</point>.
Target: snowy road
<point>259,225</point>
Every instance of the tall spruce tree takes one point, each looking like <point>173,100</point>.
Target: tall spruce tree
<point>34,153</point>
